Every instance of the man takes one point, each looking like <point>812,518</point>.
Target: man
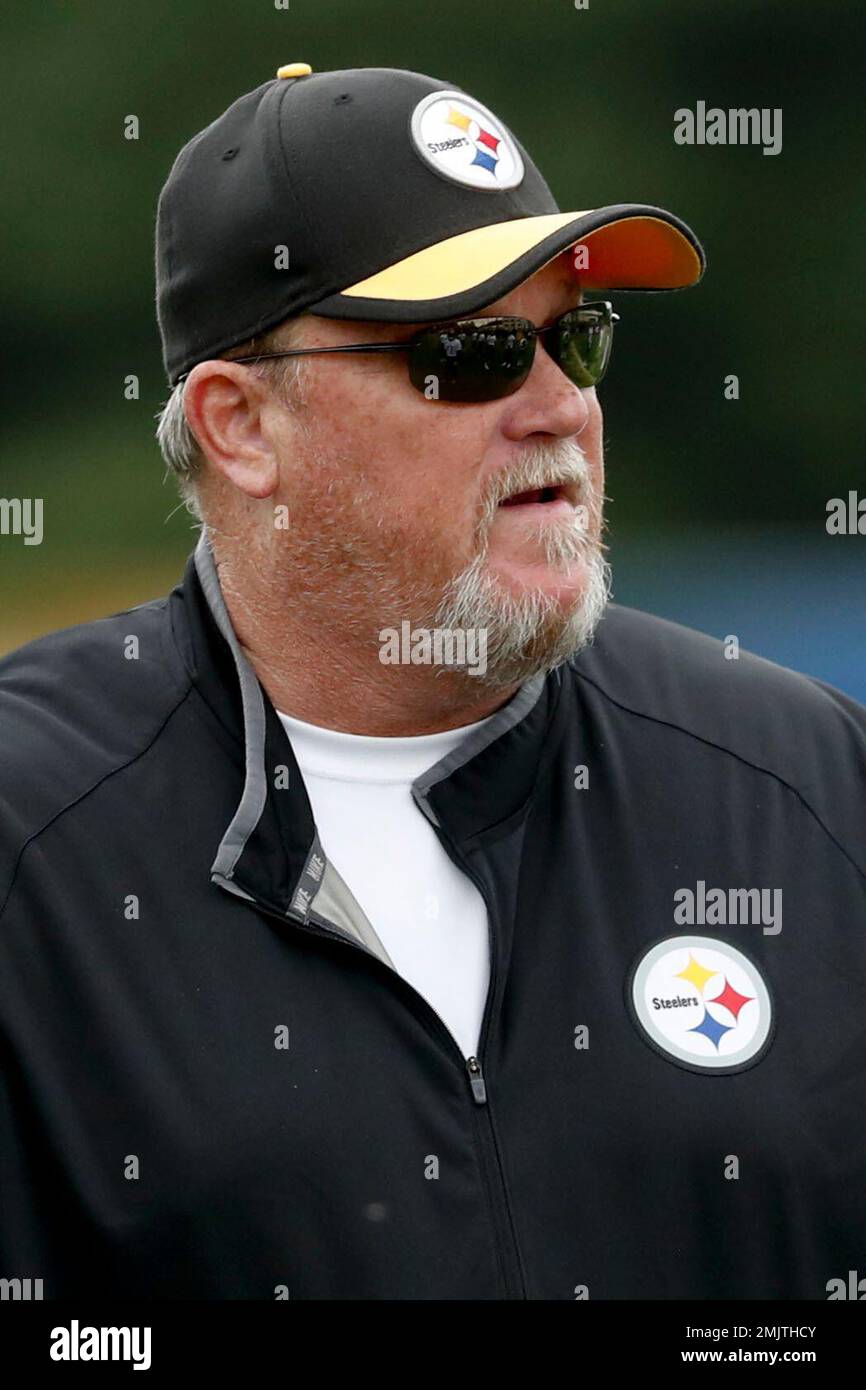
<point>368,931</point>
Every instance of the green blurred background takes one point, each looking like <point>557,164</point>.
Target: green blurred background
<point>718,508</point>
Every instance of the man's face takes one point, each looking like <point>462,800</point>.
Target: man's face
<point>397,502</point>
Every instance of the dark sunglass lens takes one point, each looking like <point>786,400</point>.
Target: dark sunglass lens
<point>472,360</point>
<point>585,339</point>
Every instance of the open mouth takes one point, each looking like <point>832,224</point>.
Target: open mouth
<point>537,496</point>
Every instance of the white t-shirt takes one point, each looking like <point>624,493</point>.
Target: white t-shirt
<point>429,915</point>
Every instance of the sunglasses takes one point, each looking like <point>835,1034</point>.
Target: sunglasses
<point>474,360</point>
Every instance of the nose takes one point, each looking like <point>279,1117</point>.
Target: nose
<point>547,402</point>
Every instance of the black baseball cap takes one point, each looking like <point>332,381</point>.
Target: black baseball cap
<point>376,193</point>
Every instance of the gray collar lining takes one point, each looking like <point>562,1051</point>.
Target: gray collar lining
<point>254,796</point>
<point>504,719</point>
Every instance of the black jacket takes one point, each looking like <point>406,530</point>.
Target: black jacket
<point>211,1086</point>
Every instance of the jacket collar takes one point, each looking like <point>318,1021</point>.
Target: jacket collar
<point>269,851</point>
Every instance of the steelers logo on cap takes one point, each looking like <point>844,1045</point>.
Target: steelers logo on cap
<point>465,142</point>
<point>701,1003</point>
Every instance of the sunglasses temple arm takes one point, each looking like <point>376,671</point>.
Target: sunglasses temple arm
<point>308,352</point>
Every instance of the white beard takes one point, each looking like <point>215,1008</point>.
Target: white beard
<point>532,632</point>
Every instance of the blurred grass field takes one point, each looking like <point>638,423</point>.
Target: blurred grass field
<point>57,599</point>
<point>114,534</point>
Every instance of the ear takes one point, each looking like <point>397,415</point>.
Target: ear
<point>227,406</point>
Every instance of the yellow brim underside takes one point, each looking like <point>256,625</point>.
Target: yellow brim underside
<point>637,252</point>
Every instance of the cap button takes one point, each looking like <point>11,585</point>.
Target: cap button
<point>294,70</point>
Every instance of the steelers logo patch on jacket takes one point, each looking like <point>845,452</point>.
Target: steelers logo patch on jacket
<point>702,1003</point>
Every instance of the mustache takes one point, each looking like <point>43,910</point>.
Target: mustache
<point>541,465</point>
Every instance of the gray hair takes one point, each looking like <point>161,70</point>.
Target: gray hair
<point>178,444</point>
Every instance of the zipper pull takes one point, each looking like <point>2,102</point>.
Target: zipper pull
<point>476,1079</point>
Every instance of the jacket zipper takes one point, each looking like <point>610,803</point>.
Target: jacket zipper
<point>510,1264</point>
<point>514,1276</point>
